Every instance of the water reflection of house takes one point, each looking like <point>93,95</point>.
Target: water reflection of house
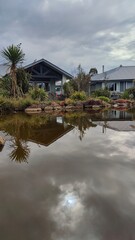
<point>124,126</point>
<point>50,132</point>
<point>120,115</point>
<point>116,120</point>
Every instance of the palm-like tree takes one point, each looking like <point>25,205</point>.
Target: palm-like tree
<point>14,56</point>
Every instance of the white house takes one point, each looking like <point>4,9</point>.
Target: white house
<point>117,80</point>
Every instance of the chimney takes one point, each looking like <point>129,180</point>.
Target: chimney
<point>103,68</point>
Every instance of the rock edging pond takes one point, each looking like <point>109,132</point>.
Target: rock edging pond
<point>80,105</point>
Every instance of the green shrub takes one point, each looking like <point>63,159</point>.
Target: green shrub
<point>79,96</point>
<point>6,103</point>
<point>69,101</point>
<point>22,103</point>
<point>105,99</point>
<point>125,95</point>
<point>101,92</point>
<point>10,104</point>
<point>5,86</point>
<point>129,93</point>
<point>69,87</point>
<point>38,94</point>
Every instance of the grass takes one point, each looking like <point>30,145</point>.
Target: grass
<point>11,104</point>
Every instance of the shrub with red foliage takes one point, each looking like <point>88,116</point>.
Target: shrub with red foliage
<point>121,101</point>
<point>93,102</point>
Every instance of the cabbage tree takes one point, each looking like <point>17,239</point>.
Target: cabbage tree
<point>14,56</point>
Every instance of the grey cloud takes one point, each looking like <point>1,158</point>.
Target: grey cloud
<point>68,32</point>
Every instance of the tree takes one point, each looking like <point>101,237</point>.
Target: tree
<point>79,77</point>
<point>14,56</point>
<point>82,79</point>
<point>69,87</point>
<point>23,79</point>
<point>93,71</point>
<point>5,86</point>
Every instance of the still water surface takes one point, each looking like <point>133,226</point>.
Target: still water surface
<point>68,177</point>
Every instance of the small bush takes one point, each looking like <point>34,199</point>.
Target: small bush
<point>129,93</point>
<point>102,92</point>
<point>93,102</point>
<point>79,96</point>
<point>11,104</point>
<point>5,86</point>
<point>23,103</point>
<point>6,104</point>
<point>69,101</point>
<point>38,94</point>
<point>105,99</point>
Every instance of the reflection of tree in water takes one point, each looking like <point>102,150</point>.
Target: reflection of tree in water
<point>1,147</point>
<point>81,120</point>
<point>20,152</point>
<point>19,127</point>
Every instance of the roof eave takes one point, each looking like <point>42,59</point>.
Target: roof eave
<point>50,64</point>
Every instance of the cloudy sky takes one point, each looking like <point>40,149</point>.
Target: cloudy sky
<point>71,32</point>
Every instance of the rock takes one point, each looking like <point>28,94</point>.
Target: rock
<point>69,108</point>
<point>2,141</point>
<point>33,110</point>
<point>115,105</point>
<point>48,108</point>
<point>79,107</point>
<point>57,107</point>
<point>97,106</point>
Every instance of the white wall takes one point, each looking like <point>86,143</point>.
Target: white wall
<point>118,86</point>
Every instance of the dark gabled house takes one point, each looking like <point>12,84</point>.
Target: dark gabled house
<point>47,75</point>
<point>44,74</point>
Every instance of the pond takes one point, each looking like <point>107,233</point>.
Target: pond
<point>68,176</point>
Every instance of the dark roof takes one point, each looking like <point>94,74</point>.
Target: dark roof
<point>54,67</point>
<point>45,136</point>
<point>119,73</point>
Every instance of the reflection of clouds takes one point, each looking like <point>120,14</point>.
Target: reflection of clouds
<point>120,141</point>
<point>69,210</point>
<point>72,189</point>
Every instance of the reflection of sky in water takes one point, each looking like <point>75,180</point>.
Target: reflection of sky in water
<point>70,200</point>
<point>71,190</point>
<point>69,210</point>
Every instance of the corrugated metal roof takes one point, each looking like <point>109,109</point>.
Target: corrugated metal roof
<point>119,73</point>
<point>51,65</point>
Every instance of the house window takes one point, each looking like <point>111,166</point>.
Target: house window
<point>129,84</point>
<point>112,87</point>
<point>122,86</point>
